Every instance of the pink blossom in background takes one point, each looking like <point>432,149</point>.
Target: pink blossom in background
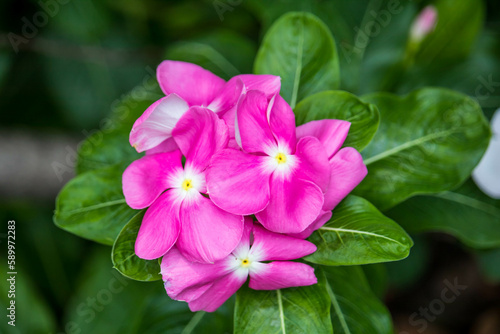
<point>424,24</point>
<point>207,286</point>
<point>188,85</point>
<point>178,211</point>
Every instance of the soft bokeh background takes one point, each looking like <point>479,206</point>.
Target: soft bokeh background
<point>62,73</point>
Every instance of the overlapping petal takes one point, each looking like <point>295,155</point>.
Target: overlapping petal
<point>294,204</point>
<point>282,122</point>
<point>238,182</point>
<point>145,179</point>
<point>199,134</point>
<point>208,233</point>
<point>157,122</point>
<point>187,280</point>
<point>228,96</point>
<point>330,132</point>
<point>160,227</point>
<point>217,293</point>
<point>322,219</point>
<point>252,129</point>
<point>347,171</point>
<point>312,162</point>
<point>269,246</point>
<point>280,275</point>
<point>197,86</point>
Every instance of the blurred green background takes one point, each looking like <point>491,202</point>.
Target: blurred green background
<point>64,65</point>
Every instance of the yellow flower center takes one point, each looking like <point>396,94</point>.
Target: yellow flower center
<point>280,158</point>
<point>187,184</point>
<point>245,263</point>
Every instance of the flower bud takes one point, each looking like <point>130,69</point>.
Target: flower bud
<point>424,24</point>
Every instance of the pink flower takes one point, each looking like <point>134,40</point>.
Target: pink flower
<point>208,286</point>
<point>424,23</point>
<point>280,175</point>
<point>178,211</point>
<point>188,85</point>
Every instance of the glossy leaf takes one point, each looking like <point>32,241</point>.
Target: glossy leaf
<point>355,308</point>
<point>292,310</point>
<point>358,233</point>
<point>364,117</point>
<point>124,258</point>
<point>301,50</point>
<point>92,205</point>
<point>465,213</point>
<point>428,141</point>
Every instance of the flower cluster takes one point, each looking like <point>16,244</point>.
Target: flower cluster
<point>218,154</point>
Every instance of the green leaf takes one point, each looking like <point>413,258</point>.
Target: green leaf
<point>292,310</point>
<point>109,144</point>
<point>364,117</point>
<point>124,258</point>
<point>355,308</point>
<point>358,233</point>
<point>428,141</point>
<point>301,50</point>
<point>92,205</point>
<point>465,213</point>
<point>102,150</point>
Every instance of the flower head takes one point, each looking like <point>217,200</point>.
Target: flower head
<point>178,211</point>
<point>280,174</point>
<point>186,86</point>
<point>208,286</point>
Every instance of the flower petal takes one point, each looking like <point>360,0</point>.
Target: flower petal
<point>282,122</point>
<point>294,204</point>
<point>279,275</point>
<point>199,134</point>
<point>197,86</point>
<point>330,132</point>
<point>244,244</point>
<point>228,96</point>
<point>322,219</point>
<point>269,246</point>
<point>156,123</point>
<point>220,291</point>
<point>168,145</point>
<point>145,179</point>
<point>160,227</point>
<point>252,129</point>
<point>238,182</point>
<point>266,83</point>
<point>186,280</point>
<point>347,171</point>
<point>313,163</point>
<point>208,233</point>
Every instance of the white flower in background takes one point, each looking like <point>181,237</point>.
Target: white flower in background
<point>487,173</point>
